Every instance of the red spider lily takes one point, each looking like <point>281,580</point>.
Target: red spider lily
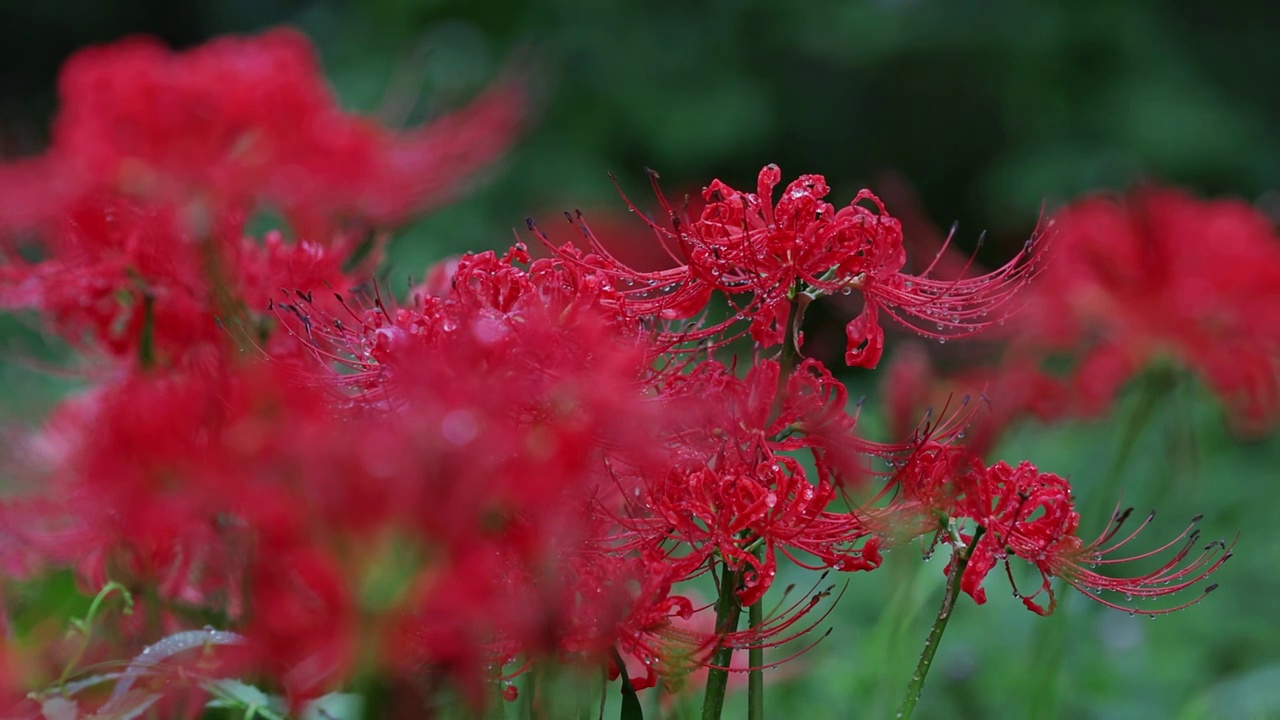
<point>800,249</point>
<point>1031,515</point>
<point>1074,561</point>
<point>128,280</point>
<point>485,291</point>
<point>304,617</point>
<point>945,492</point>
<point>157,159</point>
<point>734,504</point>
<point>1130,280</point>
<point>523,463</point>
<point>187,483</point>
<point>238,121</point>
<point>485,296</point>
<point>656,632</point>
<point>114,271</point>
<point>734,493</point>
<point>674,640</point>
<point>930,486</point>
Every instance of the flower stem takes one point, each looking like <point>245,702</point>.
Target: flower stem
<point>728,612</point>
<point>85,626</point>
<point>939,626</point>
<point>755,660</point>
<point>1049,651</point>
<point>631,709</point>
<point>789,354</point>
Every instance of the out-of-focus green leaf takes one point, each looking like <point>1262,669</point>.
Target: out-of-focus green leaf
<point>334,706</point>
<point>1249,695</point>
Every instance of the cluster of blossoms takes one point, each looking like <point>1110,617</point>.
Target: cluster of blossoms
<point>524,462</point>
<point>1131,281</point>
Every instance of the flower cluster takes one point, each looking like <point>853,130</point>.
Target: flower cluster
<point>241,121</point>
<point>1130,282</point>
<point>1002,512</point>
<point>1163,273</point>
<point>522,462</point>
<point>766,258</point>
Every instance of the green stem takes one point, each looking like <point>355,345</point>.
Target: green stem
<point>896,620</point>
<point>755,657</point>
<point>728,609</point>
<point>1148,401</point>
<point>790,352</point>
<point>85,626</point>
<point>631,709</point>
<point>939,626</point>
<point>530,692</point>
<point>728,612</point>
<point>146,343</point>
<point>787,361</point>
<point>1050,647</point>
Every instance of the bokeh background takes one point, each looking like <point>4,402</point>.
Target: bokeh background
<point>983,112</point>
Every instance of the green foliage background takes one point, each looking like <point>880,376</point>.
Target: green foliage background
<point>992,110</point>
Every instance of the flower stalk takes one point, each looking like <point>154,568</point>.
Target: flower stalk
<point>728,614</point>
<point>755,659</point>
<point>939,627</point>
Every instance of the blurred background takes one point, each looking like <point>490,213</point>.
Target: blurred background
<point>986,113</point>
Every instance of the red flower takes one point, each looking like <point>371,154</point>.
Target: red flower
<point>481,464</point>
<point>733,488</point>
<point>1031,515</point>
<point>1130,279</point>
<point>764,256</point>
<point>241,121</point>
<point>304,618</point>
<point>126,279</point>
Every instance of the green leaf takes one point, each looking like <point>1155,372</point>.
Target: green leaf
<point>1254,694</point>
<point>233,694</point>
<point>334,706</point>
